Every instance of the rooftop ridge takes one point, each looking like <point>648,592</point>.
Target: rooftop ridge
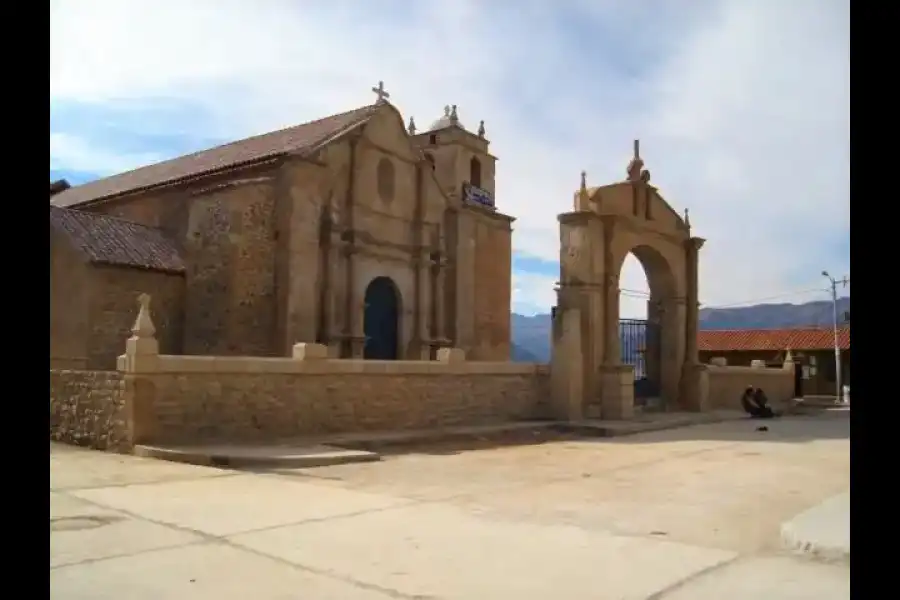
<point>256,148</point>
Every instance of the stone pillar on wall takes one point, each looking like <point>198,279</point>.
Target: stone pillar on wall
<point>436,271</point>
<point>617,382</point>
<point>672,350</point>
<point>423,313</point>
<point>336,316</point>
<point>572,371</point>
<point>141,360</point>
<point>614,385</point>
<point>354,338</point>
<point>693,299</point>
<point>352,335</point>
<point>465,280</point>
<point>609,330</point>
<point>567,377</point>
<point>691,395</point>
<point>356,316</point>
<point>653,340</point>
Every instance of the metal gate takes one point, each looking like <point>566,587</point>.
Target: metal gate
<point>641,349</point>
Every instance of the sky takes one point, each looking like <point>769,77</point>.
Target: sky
<point>742,108</point>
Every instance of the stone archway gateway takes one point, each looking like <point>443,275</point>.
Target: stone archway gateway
<point>592,376</point>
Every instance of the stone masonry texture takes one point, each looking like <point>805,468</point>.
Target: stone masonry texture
<point>87,408</point>
<point>113,307</point>
<point>237,406</point>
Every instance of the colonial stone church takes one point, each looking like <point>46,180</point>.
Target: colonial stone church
<point>356,231</point>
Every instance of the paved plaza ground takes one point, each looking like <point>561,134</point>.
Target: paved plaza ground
<point>691,513</point>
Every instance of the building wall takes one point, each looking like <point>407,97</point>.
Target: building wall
<point>226,228</point>
<point>819,379</point>
<point>303,190</point>
<point>69,300</point>
<point>185,399</point>
<point>492,266</point>
<point>727,385</point>
<point>821,371</point>
<point>374,230</point>
<point>230,247</point>
<point>246,406</point>
<point>113,308</point>
<point>87,408</point>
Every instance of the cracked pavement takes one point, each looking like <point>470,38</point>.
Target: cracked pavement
<point>686,513</point>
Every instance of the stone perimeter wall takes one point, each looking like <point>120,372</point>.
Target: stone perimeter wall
<point>87,408</point>
<point>727,384</point>
<point>187,399</point>
<point>240,406</point>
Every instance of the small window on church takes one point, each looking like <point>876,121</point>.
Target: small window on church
<point>432,139</point>
<point>475,172</point>
<point>430,159</point>
<point>385,177</point>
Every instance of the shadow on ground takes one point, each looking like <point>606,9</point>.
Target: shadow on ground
<point>794,429</point>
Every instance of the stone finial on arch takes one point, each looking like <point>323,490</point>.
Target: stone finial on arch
<point>582,195</point>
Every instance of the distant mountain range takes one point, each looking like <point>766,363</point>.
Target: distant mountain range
<point>531,335</point>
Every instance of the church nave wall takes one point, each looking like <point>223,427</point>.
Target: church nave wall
<point>230,246</point>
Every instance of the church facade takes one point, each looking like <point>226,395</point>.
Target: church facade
<point>356,231</point>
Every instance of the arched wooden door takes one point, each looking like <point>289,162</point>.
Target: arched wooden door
<point>381,320</point>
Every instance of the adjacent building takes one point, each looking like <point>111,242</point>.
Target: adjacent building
<point>812,350</point>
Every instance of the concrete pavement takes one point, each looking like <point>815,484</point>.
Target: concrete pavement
<point>823,531</point>
<point>349,448</point>
<point>692,513</point>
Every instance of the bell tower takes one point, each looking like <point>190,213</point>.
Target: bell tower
<point>478,238</point>
<point>462,163</point>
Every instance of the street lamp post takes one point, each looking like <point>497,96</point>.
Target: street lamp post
<point>839,396</point>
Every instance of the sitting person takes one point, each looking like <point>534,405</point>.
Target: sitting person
<point>755,403</point>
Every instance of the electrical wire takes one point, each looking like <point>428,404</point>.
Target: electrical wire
<point>629,293</point>
<point>782,296</point>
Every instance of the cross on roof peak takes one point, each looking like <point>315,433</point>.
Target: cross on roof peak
<point>382,94</point>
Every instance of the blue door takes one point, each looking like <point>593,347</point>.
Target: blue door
<point>381,319</point>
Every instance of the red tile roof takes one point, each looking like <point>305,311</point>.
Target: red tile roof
<point>732,340</point>
<point>112,241</point>
<point>298,139</point>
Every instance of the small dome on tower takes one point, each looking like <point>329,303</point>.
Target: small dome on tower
<point>450,119</point>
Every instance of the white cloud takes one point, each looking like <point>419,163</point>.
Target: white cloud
<point>71,153</point>
<point>532,293</point>
<point>742,106</point>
